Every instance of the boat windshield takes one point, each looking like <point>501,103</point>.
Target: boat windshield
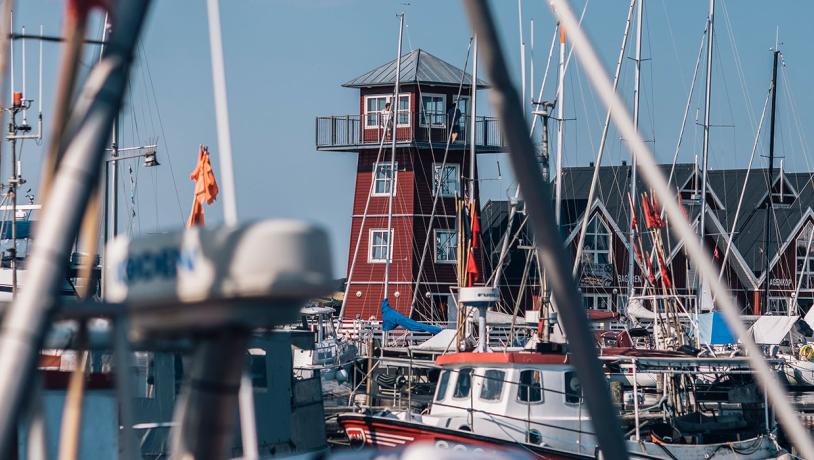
<point>463,384</point>
<point>492,385</point>
<point>443,383</point>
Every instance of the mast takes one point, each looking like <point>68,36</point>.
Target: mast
<point>560,129</point>
<point>699,296</point>
<point>394,109</point>
<point>522,55</point>
<point>633,176</point>
<point>472,120</point>
<point>770,183</point>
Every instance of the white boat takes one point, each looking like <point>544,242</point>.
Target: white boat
<point>532,402</point>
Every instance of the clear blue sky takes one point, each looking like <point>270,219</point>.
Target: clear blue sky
<point>286,59</point>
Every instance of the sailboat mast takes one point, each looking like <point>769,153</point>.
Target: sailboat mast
<point>394,109</point>
<point>633,177</point>
<point>769,203</point>
<point>705,154</point>
<point>560,129</point>
<point>473,120</point>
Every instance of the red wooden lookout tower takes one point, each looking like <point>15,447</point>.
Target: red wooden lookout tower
<point>429,87</point>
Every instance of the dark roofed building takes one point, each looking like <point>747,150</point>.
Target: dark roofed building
<point>604,269</point>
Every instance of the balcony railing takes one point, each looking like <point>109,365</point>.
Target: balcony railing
<point>349,131</point>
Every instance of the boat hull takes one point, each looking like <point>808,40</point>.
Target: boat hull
<point>389,432</point>
<point>386,432</point>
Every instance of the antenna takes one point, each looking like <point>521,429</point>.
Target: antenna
<point>39,89</point>
<point>25,93</point>
<point>11,55</point>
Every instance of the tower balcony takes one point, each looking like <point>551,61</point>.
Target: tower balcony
<point>360,132</point>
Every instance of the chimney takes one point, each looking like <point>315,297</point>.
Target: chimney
<point>591,164</point>
<point>624,162</point>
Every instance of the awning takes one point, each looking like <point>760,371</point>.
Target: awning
<point>771,330</point>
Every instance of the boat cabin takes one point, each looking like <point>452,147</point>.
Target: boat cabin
<point>535,397</point>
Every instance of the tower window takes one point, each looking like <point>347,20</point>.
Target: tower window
<point>377,117</point>
<point>446,246</point>
<point>450,177</point>
<point>383,177</point>
<point>433,110</point>
<point>380,246</point>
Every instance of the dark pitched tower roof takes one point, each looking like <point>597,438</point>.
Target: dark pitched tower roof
<point>417,66</point>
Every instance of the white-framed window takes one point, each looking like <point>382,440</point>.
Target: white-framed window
<point>596,301</point>
<point>377,117</point>
<point>597,242</point>
<point>805,269</point>
<point>530,388</point>
<point>778,306</point>
<point>446,246</point>
<point>383,178</point>
<point>450,177</point>
<point>379,246</point>
<point>433,110</point>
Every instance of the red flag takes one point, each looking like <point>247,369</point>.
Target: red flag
<point>206,187</point>
<point>648,213</point>
<point>634,222</point>
<point>472,270</point>
<point>665,276</point>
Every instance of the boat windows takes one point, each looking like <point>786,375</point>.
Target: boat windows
<point>531,386</point>
<point>449,178</point>
<point>433,110</point>
<point>464,383</point>
<point>446,246</point>
<point>573,388</point>
<point>379,246</point>
<point>443,383</point>
<point>383,178</point>
<point>492,386</point>
<point>258,369</point>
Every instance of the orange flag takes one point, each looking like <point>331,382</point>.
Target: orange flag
<point>206,187</point>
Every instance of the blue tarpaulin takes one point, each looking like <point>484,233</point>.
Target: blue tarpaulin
<point>712,330</point>
<point>392,319</point>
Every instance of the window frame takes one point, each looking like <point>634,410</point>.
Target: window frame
<point>370,246</point>
<point>466,370</point>
<point>596,296</point>
<point>442,115</point>
<point>485,379</point>
<point>435,245</point>
<point>387,98</point>
<point>521,385</point>
<point>593,232</point>
<point>393,179</point>
<point>256,353</point>
<point>565,391</point>
<point>443,383</point>
<point>436,176</point>
<point>801,245</point>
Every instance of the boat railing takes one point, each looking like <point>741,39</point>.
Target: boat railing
<point>500,335</point>
<point>373,129</point>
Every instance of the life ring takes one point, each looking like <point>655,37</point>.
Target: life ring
<point>807,352</point>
